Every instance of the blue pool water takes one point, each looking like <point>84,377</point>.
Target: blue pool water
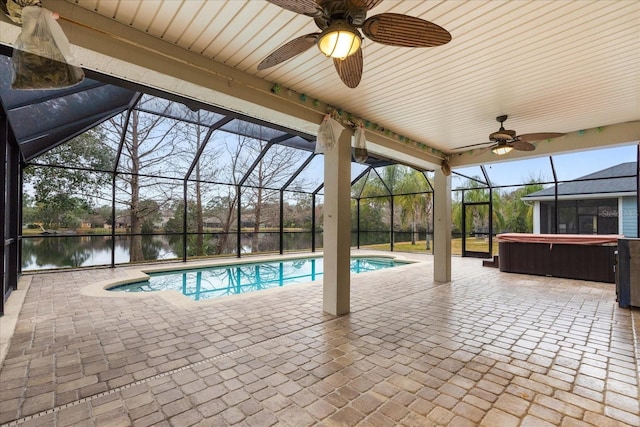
<point>213,282</point>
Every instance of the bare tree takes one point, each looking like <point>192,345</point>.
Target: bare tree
<point>150,142</point>
<point>274,169</point>
<point>226,202</point>
<point>206,168</point>
<point>262,182</point>
<point>199,216</point>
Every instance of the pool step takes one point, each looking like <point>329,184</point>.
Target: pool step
<point>491,263</point>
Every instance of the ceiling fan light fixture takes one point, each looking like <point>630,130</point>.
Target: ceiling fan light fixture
<point>502,149</point>
<point>339,40</point>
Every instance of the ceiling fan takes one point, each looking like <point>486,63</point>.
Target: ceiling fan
<point>340,39</point>
<point>505,140</point>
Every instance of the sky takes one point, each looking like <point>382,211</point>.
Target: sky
<point>567,166</point>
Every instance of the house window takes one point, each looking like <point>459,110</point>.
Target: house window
<point>595,216</point>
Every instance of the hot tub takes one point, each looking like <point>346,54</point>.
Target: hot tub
<point>572,256</point>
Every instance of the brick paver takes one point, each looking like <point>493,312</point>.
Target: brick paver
<point>489,348</point>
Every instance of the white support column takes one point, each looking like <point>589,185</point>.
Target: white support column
<point>337,227</point>
<point>442,228</point>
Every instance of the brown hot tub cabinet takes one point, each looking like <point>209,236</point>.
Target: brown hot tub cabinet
<point>572,256</point>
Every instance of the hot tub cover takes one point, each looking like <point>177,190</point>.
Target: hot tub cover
<point>573,239</point>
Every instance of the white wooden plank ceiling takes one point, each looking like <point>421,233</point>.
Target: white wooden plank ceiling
<point>552,66</point>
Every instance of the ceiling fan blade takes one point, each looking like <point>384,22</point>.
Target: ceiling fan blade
<point>472,145</point>
<point>350,69</point>
<point>403,30</point>
<point>540,136</point>
<point>521,145</point>
<point>363,4</point>
<point>289,50</point>
<point>304,7</point>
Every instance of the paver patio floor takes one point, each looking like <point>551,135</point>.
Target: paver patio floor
<point>489,348</point>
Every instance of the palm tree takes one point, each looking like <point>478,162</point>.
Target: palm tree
<point>414,200</point>
<point>473,191</point>
<point>372,196</point>
<point>518,214</point>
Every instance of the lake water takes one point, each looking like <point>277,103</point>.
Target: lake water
<point>64,251</point>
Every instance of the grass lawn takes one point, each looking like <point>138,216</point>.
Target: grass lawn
<point>420,246</point>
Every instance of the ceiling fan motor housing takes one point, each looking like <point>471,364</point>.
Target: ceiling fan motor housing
<point>502,135</point>
<point>332,10</point>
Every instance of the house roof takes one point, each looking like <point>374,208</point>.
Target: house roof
<point>616,179</point>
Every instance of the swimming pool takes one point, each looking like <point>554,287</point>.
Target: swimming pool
<point>213,282</point>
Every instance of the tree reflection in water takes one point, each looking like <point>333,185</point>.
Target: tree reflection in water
<point>221,281</point>
<point>81,251</point>
<point>59,251</point>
